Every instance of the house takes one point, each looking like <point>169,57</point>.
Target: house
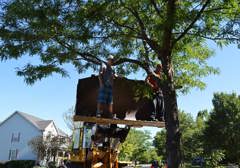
<point>16,132</point>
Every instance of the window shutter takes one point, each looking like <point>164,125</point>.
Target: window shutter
<point>19,137</point>
<point>12,137</point>
<point>16,154</point>
<point>9,155</point>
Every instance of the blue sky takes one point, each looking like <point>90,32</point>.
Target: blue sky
<point>51,97</point>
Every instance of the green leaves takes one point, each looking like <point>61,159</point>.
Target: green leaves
<point>84,33</point>
<point>190,64</point>
<point>136,146</point>
<point>191,137</point>
<point>215,158</point>
<point>223,125</point>
<point>32,73</point>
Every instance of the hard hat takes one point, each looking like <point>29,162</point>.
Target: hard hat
<point>110,57</point>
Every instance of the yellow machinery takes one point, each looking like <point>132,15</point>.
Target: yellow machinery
<point>87,152</point>
<point>96,141</point>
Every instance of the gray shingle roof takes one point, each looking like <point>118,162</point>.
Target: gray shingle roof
<point>38,122</point>
<point>43,124</point>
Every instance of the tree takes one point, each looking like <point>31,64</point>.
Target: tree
<point>55,145</point>
<point>159,143</point>
<point>151,155</point>
<point>68,118</point>
<point>188,129</point>
<point>47,147</point>
<point>222,129</point>
<point>38,147</point>
<point>191,138</point>
<point>136,146</point>
<point>139,33</point>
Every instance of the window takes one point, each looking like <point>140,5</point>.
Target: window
<point>13,154</point>
<point>15,137</point>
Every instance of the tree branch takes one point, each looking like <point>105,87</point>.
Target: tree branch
<point>144,66</point>
<point>153,44</point>
<point>193,22</point>
<point>155,7</point>
<point>146,55</point>
<point>139,20</point>
<point>123,25</point>
<point>86,56</point>
<point>216,9</point>
<point>215,38</point>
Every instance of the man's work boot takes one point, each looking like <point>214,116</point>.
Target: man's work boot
<point>161,119</point>
<point>98,113</point>
<point>115,116</point>
<point>153,118</point>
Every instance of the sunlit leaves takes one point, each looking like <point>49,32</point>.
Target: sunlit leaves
<point>32,73</point>
<point>224,126</point>
<point>136,146</point>
<point>84,33</point>
<point>191,136</point>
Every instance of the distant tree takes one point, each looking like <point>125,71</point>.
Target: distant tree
<point>223,127</point>
<point>47,147</point>
<point>151,155</point>
<point>197,137</point>
<point>38,146</point>
<point>187,127</point>
<point>159,143</point>
<point>191,138</point>
<point>68,118</point>
<point>214,159</point>
<point>56,145</point>
<point>135,147</point>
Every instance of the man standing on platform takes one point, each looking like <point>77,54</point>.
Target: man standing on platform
<point>154,81</point>
<point>105,93</point>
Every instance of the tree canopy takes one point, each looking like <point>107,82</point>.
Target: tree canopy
<point>191,138</point>
<point>223,127</point>
<point>83,33</point>
<point>138,147</point>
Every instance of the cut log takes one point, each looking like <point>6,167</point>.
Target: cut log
<point>128,96</point>
<point>132,123</point>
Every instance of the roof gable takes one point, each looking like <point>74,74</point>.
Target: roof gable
<point>39,123</point>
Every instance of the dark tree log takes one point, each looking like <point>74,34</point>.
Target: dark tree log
<point>127,98</point>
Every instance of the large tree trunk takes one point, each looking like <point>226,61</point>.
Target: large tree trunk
<point>172,126</point>
<point>170,97</point>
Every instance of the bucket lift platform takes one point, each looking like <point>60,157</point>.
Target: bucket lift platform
<point>106,121</point>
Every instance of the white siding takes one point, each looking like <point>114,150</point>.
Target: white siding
<point>50,129</point>
<point>17,124</point>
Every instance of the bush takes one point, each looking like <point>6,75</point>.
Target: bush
<point>2,165</point>
<point>52,165</point>
<point>215,158</point>
<point>20,164</point>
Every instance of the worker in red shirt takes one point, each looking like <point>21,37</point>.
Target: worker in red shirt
<point>154,81</point>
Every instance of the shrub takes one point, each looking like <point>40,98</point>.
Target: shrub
<point>20,164</point>
<point>215,158</point>
<point>2,165</point>
<point>52,165</point>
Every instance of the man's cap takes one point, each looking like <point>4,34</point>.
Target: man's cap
<point>110,57</point>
